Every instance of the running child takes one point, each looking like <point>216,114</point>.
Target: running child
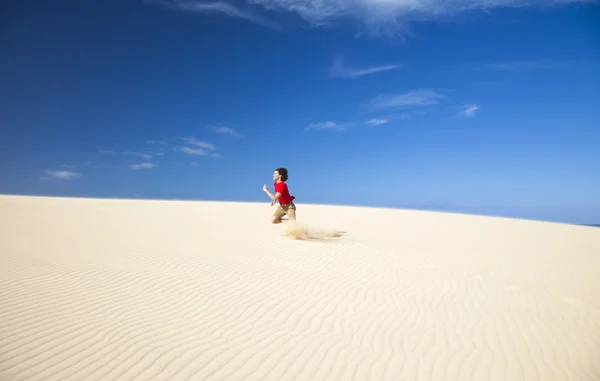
<point>286,202</point>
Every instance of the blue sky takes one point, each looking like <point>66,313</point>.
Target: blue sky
<point>479,106</point>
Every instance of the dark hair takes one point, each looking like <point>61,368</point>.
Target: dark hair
<point>283,172</point>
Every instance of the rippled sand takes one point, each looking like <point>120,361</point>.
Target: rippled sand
<point>166,290</point>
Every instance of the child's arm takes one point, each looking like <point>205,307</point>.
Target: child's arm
<point>273,197</point>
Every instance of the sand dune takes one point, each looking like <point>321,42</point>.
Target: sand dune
<point>169,290</point>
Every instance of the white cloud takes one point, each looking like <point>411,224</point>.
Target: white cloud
<point>377,122</point>
<point>338,69</point>
<point>202,148</point>
<point>227,131</point>
<point>470,111</point>
<point>373,17</point>
<point>200,152</point>
<point>330,125</point>
<point>194,151</point>
<point>193,141</point>
<point>421,97</point>
<point>217,7</point>
<point>143,166</point>
<point>62,175</point>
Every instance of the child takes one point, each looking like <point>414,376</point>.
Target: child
<point>286,202</point>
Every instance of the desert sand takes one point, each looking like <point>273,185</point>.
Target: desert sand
<point>94,289</point>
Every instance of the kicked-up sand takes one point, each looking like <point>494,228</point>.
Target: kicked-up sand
<point>96,289</point>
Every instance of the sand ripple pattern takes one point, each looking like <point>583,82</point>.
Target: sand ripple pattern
<point>149,290</point>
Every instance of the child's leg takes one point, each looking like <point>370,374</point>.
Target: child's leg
<point>298,232</point>
<point>291,212</point>
<point>276,218</point>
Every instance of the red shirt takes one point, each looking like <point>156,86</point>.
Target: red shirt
<point>285,197</point>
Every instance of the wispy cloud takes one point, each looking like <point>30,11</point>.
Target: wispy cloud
<point>62,175</point>
<point>217,7</point>
<point>338,69</point>
<point>377,122</point>
<point>227,131</point>
<point>470,111</point>
<point>141,154</point>
<point>330,125</point>
<point>200,152</point>
<point>131,158</point>
<point>373,17</point>
<point>143,166</point>
<point>421,97</point>
<point>194,151</point>
<point>199,143</point>
<point>201,148</point>
<point>391,17</point>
